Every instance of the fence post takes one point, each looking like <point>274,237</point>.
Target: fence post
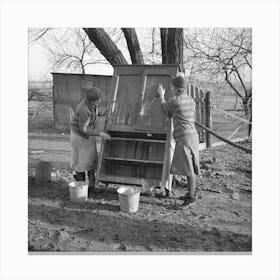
<point>208,118</point>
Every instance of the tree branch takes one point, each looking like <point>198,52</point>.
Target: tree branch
<point>232,86</point>
<point>105,45</point>
<point>133,45</point>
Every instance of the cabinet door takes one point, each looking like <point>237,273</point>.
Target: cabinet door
<point>135,104</point>
<point>151,116</point>
<point>126,98</point>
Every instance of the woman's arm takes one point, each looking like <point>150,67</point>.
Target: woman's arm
<point>165,107</point>
<point>84,120</point>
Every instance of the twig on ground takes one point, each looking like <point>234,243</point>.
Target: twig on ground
<point>211,190</point>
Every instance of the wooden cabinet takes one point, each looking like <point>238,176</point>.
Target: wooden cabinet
<point>141,145</point>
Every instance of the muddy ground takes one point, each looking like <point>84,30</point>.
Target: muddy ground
<point>220,220</point>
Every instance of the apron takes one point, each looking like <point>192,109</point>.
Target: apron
<point>83,153</point>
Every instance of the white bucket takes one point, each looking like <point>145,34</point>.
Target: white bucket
<point>78,191</point>
<point>129,199</point>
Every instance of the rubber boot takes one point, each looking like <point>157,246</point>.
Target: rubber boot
<point>80,176</point>
<point>91,179</point>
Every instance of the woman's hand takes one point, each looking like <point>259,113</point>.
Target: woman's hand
<point>105,136</point>
<point>160,91</point>
<point>104,113</point>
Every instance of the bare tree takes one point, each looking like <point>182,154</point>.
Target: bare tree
<point>105,45</point>
<point>222,55</point>
<point>172,46</point>
<point>70,49</point>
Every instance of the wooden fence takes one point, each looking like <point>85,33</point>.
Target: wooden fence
<point>202,100</point>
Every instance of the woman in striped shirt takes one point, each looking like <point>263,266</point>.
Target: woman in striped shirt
<point>181,107</point>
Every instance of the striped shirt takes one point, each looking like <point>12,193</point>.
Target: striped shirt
<point>182,109</point>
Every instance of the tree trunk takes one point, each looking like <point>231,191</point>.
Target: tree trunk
<point>172,46</point>
<point>164,37</point>
<point>133,45</point>
<point>175,46</point>
<point>105,45</point>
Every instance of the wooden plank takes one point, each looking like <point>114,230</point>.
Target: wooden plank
<point>99,164</point>
<point>116,149</point>
<point>122,180</point>
<point>167,159</point>
<point>157,173</point>
<point>197,103</point>
<point>208,119</point>
<point>137,140</point>
<point>130,149</point>
<point>138,150</point>
<point>61,116</point>
<point>133,161</point>
<point>247,150</point>
<point>142,94</point>
<point>146,151</point>
<point>152,155</point>
<point>100,158</point>
<point>160,152</point>
<point>197,109</point>
<point>123,71</point>
<point>202,113</point>
<point>131,128</point>
<point>167,69</point>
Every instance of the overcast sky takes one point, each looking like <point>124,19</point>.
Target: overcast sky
<point>40,67</point>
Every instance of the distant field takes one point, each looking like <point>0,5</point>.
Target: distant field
<point>40,112</point>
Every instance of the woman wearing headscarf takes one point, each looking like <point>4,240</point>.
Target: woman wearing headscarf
<point>181,107</point>
<point>83,134</point>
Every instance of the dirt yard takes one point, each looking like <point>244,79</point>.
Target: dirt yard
<point>220,220</point>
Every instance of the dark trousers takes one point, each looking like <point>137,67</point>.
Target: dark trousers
<point>81,176</point>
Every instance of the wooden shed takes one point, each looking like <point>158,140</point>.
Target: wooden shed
<point>69,90</point>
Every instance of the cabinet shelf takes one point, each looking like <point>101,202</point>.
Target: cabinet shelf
<point>123,179</point>
<point>135,161</point>
<point>138,140</point>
